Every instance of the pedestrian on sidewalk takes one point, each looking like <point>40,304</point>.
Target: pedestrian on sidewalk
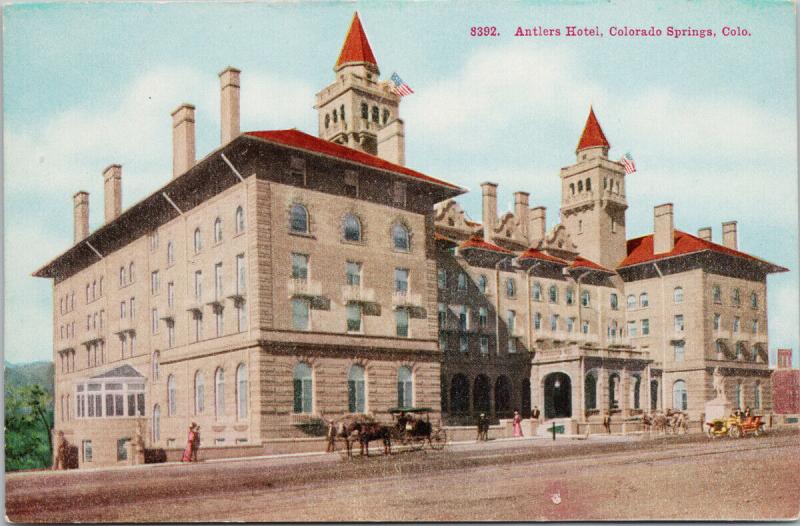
<point>187,453</point>
<point>607,422</point>
<point>483,428</point>
<point>517,425</point>
<point>196,443</point>
<point>331,435</point>
<point>535,414</point>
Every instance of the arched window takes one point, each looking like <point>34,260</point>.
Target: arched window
<point>400,237</point>
<point>364,110</point>
<point>298,219</point>
<point>536,291</point>
<point>552,294</point>
<point>613,301</point>
<point>156,423</point>
<point>352,228</point>
<point>341,111</point>
<point>385,116</point>
<point>100,286</point>
<point>198,240</point>
<point>239,220</point>
<point>677,295</point>
<point>537,321</point>
<point>753,300</point>
<point>585,298</point>
<point>643,300</point>
<point>511,288</point>
<point>327,120</point>
<point>303,388</point>
<point>580,186</point>
<point>356,402</point>
<point>405,387</point>
<point>241,391</point>
<point>131,273</point>
<point>736,297</point>
<point>219,392</point>
<point>155,365</point>
<point>335,116</point>
<point>716,294</point>
<point>631,302</point>
<point>680,397</point>
<point>482,284</point>
<point>590,390</point>
<point>570,296</point>
<point>217,230</point>
<point>172,403</point>
<point>170,253</point>
<point>572,188</point>
<point>375,114</point>
<point>121,276</point>
<point>588,185</point>
<point>199,393</point>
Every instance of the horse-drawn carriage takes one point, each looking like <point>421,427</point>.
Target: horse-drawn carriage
<point>735,426</point>
<point>410,429</point>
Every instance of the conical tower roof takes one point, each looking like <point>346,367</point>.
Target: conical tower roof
<point>592,135</point>
<point>356,49</point>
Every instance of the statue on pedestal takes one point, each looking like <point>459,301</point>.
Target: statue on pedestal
<point>719,385</point>
<point>138,444</point>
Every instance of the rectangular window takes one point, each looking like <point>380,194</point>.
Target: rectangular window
<point>198,286</point>
<point>171,333</point>
<point>512,345</point>
<point>678,323</point>
<point>197,320</point>
<point>736,324</point>
<point>645,327</point>
<point>241,316</point>
<point>754,327</point>
<point>218,292</point>
<point>441,278</point>
<point>300,314</point>
<point>154,282</point>
<point>170,294</point>
<point>554,322</point>
<point>633,330</point>
<point>299,266</point>
<point>484,345</point>
<point>353,317</point>
<point>353,273</point>
<point>218,322</point>
<point>241,283</point>
<point>717,321</point>
<point>154,320</point>
<point>401,322</point>
<point>442,315</point>
<point>463,318</point>
<point>483,317</point>
<point>678,347</point>
<point>443,341</point>
<point>585,327</point>
<point>463,343</point>
<point>133,308</point>
<point>570,324</point>
<point>401,280</point>
<point>87,449</point>
<point>511,321</point>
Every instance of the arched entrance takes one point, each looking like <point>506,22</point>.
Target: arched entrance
<point>459,394</point>
<point>525,410</point>
<point>502,396</point>
<point>481,395</point>
<point>557,396</point>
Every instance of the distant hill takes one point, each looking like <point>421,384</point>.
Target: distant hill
<point>18,375</point>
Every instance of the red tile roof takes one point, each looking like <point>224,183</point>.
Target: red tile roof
<point>592,135</point>
<point>640,250</point>
<point>304,141</point>
<point>586,263</point>
<point>532,253</point>
<point>479,244</point>
<point>356,46</point>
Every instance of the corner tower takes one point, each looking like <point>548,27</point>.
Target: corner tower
<point>593,200</point>
<point>357,105</point>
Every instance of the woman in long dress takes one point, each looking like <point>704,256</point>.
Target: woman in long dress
<point>517,424</point>
<point>187,453</point>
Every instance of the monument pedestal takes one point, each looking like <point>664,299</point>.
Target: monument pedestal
<point>718,408</point>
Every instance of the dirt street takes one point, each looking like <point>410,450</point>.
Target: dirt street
<point>684,477</point>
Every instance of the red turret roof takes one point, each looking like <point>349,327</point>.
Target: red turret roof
<point>356,46</point>
<point>640,250</point>
<point>592,135</point>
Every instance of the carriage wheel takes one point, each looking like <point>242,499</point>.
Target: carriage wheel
<point>438,440</point>
<point>735,432</point>
<point>417,443</point>
<point>757,431</point>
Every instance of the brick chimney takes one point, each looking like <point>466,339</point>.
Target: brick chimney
<point>664,229</point>
<point>392,142</point>
<point>229,104</point>
<point>80,215</point>
<point>704,233</point>
<point>489,209</point>
<point>729,235</point>
<point>112,191</point>
<point>183,153</point>
<point>538,225</point>
<point>521,211</point>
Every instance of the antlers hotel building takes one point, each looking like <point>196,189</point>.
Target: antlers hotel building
<point>284,276</point>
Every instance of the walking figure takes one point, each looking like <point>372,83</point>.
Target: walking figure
<point>517,425</point>
<point>196,443</point>
<point>187,453</point>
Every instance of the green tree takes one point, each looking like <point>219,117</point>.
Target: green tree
<point>29,422</point>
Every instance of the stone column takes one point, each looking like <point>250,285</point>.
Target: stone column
<point>491,400</point>
<point>646,382</point>
<point>625,391</point>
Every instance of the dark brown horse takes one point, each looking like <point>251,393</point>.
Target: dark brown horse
<point>364,431</point>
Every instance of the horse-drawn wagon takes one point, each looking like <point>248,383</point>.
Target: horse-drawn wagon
<point>735,426</point>
<point>411,430</point>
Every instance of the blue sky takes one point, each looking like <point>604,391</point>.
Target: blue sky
<point>710,122</point>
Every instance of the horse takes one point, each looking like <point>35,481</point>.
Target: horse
<point>660,423</point>
<point>369,431</point>
<point>647,422</point>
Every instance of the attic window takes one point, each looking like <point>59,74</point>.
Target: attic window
<point>351,183</point>
<point>297,170</point>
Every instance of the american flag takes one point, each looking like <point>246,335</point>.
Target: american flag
<point>627,162</point>
<point>400,87</point>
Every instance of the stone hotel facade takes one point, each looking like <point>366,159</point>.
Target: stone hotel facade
<point>285,276</point>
